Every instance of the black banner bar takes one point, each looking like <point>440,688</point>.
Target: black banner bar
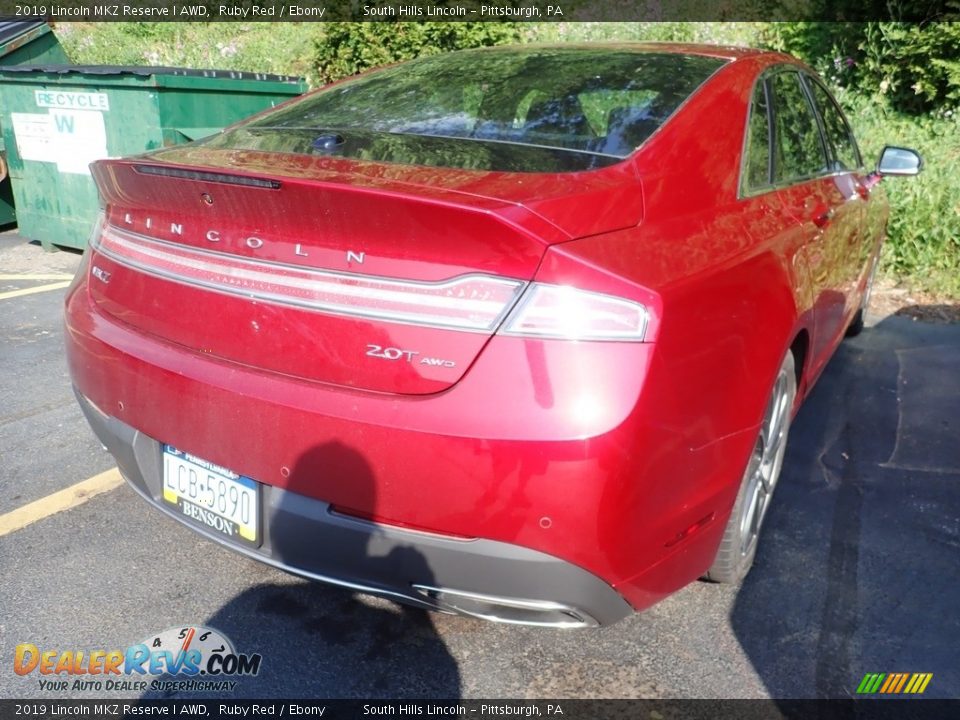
<point>479,10</point>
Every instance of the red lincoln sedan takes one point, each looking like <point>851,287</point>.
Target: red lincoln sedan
<point>516,333</point>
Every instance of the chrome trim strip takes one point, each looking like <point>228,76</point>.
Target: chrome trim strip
<point>578,618</point>
<point>263,267</point>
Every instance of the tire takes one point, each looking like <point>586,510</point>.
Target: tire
<point>857,324</point>
<point>738,547</point>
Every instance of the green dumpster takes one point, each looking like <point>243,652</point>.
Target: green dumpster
<point>23,42</point>
<point>58,119</point>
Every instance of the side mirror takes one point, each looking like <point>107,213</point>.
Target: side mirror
<point>899,161</point>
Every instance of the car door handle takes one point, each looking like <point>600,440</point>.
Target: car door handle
<point>823,217</point>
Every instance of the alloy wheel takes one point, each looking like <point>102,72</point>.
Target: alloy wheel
<point>763,469</point>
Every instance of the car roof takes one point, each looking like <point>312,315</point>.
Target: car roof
<point>724,52</point>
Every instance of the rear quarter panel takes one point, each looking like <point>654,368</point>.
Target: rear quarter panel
<point>732,293</point>
<point>729,272</point>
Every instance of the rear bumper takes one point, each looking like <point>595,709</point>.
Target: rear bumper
<point>481,578</point>
<point>550,473</point>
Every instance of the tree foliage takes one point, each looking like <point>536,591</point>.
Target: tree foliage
<point>916,66</point>
<point>349,48</point>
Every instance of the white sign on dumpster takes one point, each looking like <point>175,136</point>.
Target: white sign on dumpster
<point>35,136</point>
<point>70,138</point>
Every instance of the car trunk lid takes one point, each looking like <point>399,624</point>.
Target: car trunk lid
<point>364,284</point>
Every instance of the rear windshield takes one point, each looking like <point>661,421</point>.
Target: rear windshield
<point>504,109</point>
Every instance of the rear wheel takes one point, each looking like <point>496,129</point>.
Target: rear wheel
<point>739,545</point>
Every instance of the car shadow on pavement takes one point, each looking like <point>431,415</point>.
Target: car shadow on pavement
<point>856,571</point>
<point>320,641</point>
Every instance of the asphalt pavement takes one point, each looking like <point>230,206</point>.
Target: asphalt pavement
<point>856,572</point>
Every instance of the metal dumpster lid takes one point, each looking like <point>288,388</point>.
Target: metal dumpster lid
<point>10,30</point>
<point>147,70</point>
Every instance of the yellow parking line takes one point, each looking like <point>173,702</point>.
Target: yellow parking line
<point>33,290</point>
<point>36,276</point>
<point>59,501</point>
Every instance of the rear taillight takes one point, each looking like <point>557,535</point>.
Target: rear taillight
<point>557,311</point>
<point>470,302</point>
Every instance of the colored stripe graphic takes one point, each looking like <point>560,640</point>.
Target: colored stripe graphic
<point>894,683</point>
<point>870,683</point>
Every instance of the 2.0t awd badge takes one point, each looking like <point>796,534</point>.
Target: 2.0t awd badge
<point>395,353</point>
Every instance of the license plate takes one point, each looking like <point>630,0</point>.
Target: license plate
<point>211,495</point>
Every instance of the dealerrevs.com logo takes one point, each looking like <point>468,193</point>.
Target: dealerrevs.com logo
<point>192,658</point>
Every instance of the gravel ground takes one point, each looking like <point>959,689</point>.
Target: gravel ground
<point>890,298</point>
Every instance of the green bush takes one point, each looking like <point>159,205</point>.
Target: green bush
<point>923,235</point>
<point>349,48</point>
<point>900,85</point>
<point>916,67</point>
<point>718,33</point>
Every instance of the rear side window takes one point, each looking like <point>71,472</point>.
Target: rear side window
<point>842,146</point>
<point>798,149</point>
<point>756,171</point>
